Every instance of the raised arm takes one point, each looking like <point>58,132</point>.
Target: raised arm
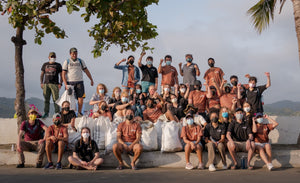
<point>180,69</point>
<point>140,59</point>
<point>254,127</point>
<point>268,79</point>
<point>275,123</point>
<point>159,70</point>
<point>117,64</point>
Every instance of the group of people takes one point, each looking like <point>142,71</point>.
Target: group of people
<point>222,116</point>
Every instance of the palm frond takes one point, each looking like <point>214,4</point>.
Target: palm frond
<point>261,13</point>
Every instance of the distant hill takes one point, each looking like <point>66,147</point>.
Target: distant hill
<point>7,109</point>
<point>281,108</point>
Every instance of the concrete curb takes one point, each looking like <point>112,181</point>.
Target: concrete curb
<point>281,158</point>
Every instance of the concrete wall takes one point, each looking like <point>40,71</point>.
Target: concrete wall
<point>286,133</point>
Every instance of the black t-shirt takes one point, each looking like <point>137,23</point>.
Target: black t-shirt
<point>254,98</point>
<point>215,133</point>
<point>149,74</point>
<point>177,111</point>
<point>86,152</point>
<point>239,131</point>
<point>182,101</point>
<point>51,71</point>
<point>66,118</point>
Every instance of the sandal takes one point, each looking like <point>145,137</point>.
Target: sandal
<point>134,168</point>
<point>250,167</point>
<point>120,167</point>
<point>233,167</point>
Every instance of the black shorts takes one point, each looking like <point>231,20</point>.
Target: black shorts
<point>78,89</point>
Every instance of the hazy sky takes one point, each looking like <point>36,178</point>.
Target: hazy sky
<point>205,28</point>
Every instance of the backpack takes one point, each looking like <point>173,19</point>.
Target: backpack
<point>36,125</point>
<point>68,61</point>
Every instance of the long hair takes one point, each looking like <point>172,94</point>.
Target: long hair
<point>81,138</point>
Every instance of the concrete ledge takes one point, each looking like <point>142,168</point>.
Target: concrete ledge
<point>281,158</point>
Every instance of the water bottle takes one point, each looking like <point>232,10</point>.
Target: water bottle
<point>243,162</point>
<point>12,147</point>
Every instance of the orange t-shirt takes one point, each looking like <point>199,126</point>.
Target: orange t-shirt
<point>262,134</point>
<point>129,131</point>
<point>192,133</point>
<point>169,75</point>
<point>131,76</point>
<point>226,100</point>
<point>152,114</point>
<point>216,73</point>
<point>212,102</point>
<point>199,99</point>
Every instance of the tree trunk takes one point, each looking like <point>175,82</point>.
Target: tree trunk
<point>296,6</point>
<point>19,67</point>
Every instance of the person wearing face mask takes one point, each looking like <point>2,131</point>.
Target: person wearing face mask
<point>261,132</point>
<point>199,98</point>
<point>149,72</point>
<point>240,138</point>
<point>191,135</point>
<point>99,96</point>
<point>131,74</point>
<point>169,74</point>
<point>166,93</point>
<point>50,83</point>
<point>214,134</point>
<point>138,99</point>
<point>254,93</point>
<point>182,94</point>
<point>248,113</point>
<point>225,117</point>
<point>214,101</point>
<point>68,116</point>
<point>115,97</point>
<point>176,108</point>
<point>213,72</point>
<point>121,107</point>
<point>228,99</point>
<point>86,153</point>
<point>72,75</point>
<point>189,71</point>
<point>57,140</point>
<point>129,135</point>
<point>103,110</point>
<point>34,140</point>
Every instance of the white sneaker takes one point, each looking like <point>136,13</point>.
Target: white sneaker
<point>224,167</point>
<point>201,166</point>
<point>211,168</point>
<point>189,166</point>
<point>270,166</point>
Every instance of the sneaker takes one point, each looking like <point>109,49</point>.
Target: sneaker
<point>212,168</point>
<point>45,115</point>
<point>189,166</point>
<point>58,166</point>
<point>49,166</point>
<point>224,167</point>
<point>38,165</point>
<point>270,166</point>
<point>21,165</point>
<point>201,166</point>
<point>79,114</point>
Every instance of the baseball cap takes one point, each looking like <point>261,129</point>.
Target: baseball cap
<point>31,111</point>
<point>227,85</point>
<point>73,50</point>
<point>259,114</point>
<point>197,83</point>
<point>239,109</point>
<point>52,54</point>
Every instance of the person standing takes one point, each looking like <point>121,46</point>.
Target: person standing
<point>51,71</point>
<point>72,68</point>
<point>150,75</point>
<point>131,74</point>
<point>189,71</point>
<point>213,72</point>
<point>169,74</point>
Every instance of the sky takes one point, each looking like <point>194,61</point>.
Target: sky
<point>204,28</point>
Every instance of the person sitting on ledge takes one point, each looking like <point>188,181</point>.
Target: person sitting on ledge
<point>86,152</point>
<point>129,135</point>
<point>32,130</point>
<point>57,140</point>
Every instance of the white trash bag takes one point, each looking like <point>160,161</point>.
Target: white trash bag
<point>170,137</point>
<point>149,136</point>
<point>110,137</point>
<point>158,128</point>
<point>99,131</point>
<point>73,137</point>
<point>66,97</point>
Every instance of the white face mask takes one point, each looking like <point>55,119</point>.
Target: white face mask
<point>166,89</point>
<point>85,135</point>
<point>247,109</point>
<point>182,90</point>
<point>174,100</point>
<point>251,85</point>
<point>52,59</point>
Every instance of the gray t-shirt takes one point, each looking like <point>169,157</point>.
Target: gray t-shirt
<point>189,74</point>
<point>74,70</point>
<point>96,97</point>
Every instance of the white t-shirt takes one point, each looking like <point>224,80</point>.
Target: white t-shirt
<point>74,70</point>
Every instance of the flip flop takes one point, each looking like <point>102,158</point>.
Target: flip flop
<point>120,167</point>
<point>134,168</point>
<point>250,167</point>
<point>233,167</point>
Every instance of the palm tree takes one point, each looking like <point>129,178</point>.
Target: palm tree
<point>263,11</point>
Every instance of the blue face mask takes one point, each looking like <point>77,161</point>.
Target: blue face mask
<point>239,116</point>
<point>190,121</point>
<point>149,62</point>
<point>168,62</point>
<point>124,99</point>
<point>101,91</point>
<point>138,91</point>
<point>225,114</point>
<point>189,59</point>
<point>260,120</point>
